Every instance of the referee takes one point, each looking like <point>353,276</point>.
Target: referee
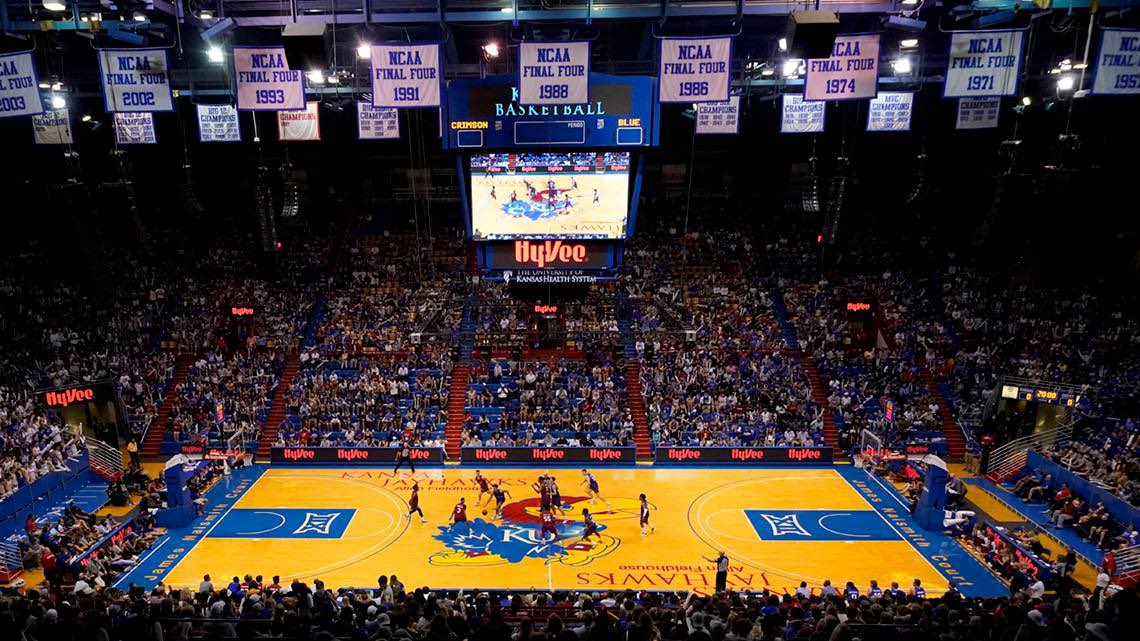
<point>404,456</point>
<point>721,571</point>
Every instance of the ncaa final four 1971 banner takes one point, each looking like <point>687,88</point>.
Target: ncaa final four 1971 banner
<point>852,71</point>
<point>554,73</point>
<point>694,69</point>
<point>265,82</point>
<point>983,63</point>
<point>406,75</point>
<point>135,80</point>
<point>19,86</point>
<point>1117,71</point>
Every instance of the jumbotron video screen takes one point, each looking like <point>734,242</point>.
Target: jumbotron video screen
<point>549,195</point>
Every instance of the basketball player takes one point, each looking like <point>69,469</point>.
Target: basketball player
<point>545,496</point>
<point>556,497</point>
<point>591,485</point>
<point>548,526</point>
<point>500,495</point>
<point>514,196</point>
<point>875,592</point>
<point>459,515</point>
<point>596,199</point>
<point>645,516</point>
<point>404,456</point>
<point>591,525</point>
<point>917,592</point>
<point>850,592</point>
<point>414,504</point>
<point>493,196</point>
<point>573,183</point>
<point>484,487</point>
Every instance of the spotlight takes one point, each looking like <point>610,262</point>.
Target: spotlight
<point>908,43</point>
<point>54,5</point>
<point>506,10</point>
<point>363,51</point>
<point>901,65</point>
<point>86,118</point>
<point>45,85</point>
<point>205,14</point>
<point>1026,101</point>
<point>214,54</point>
<point>782,43</point>
<point>491,49</point>
<point>56,86</point>
<point>138,16</point>
<point>57,101</point>
<point>767,72</point>
<point>1065,83</point>
<point>909,3</point>
<point>316,77</point>
<point>791,67</point>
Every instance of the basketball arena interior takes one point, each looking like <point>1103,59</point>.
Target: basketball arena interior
<point>569,320</point>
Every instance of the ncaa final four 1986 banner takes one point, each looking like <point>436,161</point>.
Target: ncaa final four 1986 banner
<point>19,86</point>
<point>554,73</point>
<point>1117,71</point>
<point>135,80</point>
<point>850,73</point>
<point>983,63</point>
<point>265,82</point>
<point>695,69</point>
<point>406,75</point>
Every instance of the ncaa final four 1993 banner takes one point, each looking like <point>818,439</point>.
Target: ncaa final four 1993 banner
<point>19,86</point>
<point>850,73</point>
<point>983,63</point>
<point>265,82</point>
<point>135,80</point>
<point>1117,71</point>
<point>695,69</point>
<point>406,75</point>
<point>554,73</point>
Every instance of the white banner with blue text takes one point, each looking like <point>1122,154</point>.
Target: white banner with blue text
<point>19,86</point>
<point>53,127</point>
<point>695,69</point>
<point>376,123</point>
<point>135,80</point>
<point>978,113</point>
<point>218,123</point>
<point>299,125</point>
<point>554,73</point>
<point>133,128</point>
<point>983,63</point>
<point>406,75</point>
<point>890,111</point>
<point>850,73</point>
<point>1117,71</point>
<point>265,82</point>
<point>719,117</point>
<point>802,116</point>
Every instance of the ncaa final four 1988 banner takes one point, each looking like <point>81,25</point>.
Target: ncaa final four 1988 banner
<point>265,82</point>
<point>850,73</point>
<point>554,73</point>
<point>1117,71</point>
<point>695,69</point>
<point>983,63</point>
<point>19,86</point>
<point>406,75</point>
<point>135,80</point>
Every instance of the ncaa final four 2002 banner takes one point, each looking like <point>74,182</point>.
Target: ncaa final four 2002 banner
<point>1117,71</point>
<point>406,75</point>
<point>19,86</point>
<point>850,73</point>
<point>695,69</point>
<point>554,73</point>
<point>135,80</point>
<point>265,82</point>
<point>983,63</point>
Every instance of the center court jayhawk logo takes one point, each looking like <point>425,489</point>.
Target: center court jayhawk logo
<point>515,539</point>
<point>545,203</point>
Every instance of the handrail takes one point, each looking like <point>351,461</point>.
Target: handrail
<point>1010,457</point>
<point>1127,560</point>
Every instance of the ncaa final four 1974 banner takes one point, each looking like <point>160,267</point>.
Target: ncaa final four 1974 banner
<point>695,69</point>
<point>265,82</point>
<point>850,73</point>
<point>406,75</point>
<point>554,73</point>
<point>983,63</point>
<point>135,80</point>
<point>19,86</point>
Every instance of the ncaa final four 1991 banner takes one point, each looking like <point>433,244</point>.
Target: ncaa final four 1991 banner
<point>554,73</point>
<point>1117,71</point>
<point>852,71</point>
<point>695,69</point>
<point>135,80</point>
<point>19,86</point>
<point>265,82</point>
<point>406,75</point>
<point>983,63</point>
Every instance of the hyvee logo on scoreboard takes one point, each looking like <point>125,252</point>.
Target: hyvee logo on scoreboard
<point>550,254</point>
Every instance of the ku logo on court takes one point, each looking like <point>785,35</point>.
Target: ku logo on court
<point>316,523</point>
<point>785,525</point>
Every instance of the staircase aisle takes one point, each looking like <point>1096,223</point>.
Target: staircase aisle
<point>819,395</point>
<point>152,444</point>
<point>456,400</point>
<point>641,436</point>
<point>955,441</point>
<point>277,409</point>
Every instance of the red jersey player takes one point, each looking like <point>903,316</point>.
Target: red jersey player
<point>644,515</point>
<point>484,487</point>
<point>591,526</point>
<point>548,525</point>
<point>459,514</point>
<point>414,504</point>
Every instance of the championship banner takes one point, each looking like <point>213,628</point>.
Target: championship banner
<point>406,75</point>
<point>53,127</point>
<point>1117,71</point>
<point>746,455</point>
<point>135,80</point>
<point>983,63</point>
<point>851,73</point>
<point>218,123</point>
<point>554,73</point>
<point>135,128</point>
<point>719,117</point>
<point>801,116</point>
<point>548,455</point>
<point>352,454</point>
<point>299,125</point>
<point>376,123</point>
<point>890,111</point>
<point>19,86</point>
<point>265,82</point>
<point>694,69</point>
<point>978,113</point>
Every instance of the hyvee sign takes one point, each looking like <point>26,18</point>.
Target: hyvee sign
<point>550,254</point>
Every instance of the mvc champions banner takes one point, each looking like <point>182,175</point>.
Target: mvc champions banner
<point>218,123</point>
<point>406,75</point>
<point>719,117</point>
<point>19,86</point>
<point>135,80</point>
<point>978,113</point>
<point>1117,71</point>
<point>299,125</point>
<point>376,123</point>
<point>135,128</point>
<point>52,127</point>
<point>694,69</point>
<point>852,71</point>
<point>554,73</point>
<point>983,63</point>
<point>801,116</point>
<point>890,111</point>
<point>265,82</point>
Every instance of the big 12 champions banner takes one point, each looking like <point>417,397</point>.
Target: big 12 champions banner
<point>406,75</point>
<point>978,113</point>
<point>695,69</point>
<point>850,73</point>
<point>265,82</point>
<point>376,123</point>
<point>299,125</point>
<point>19,86</point>
<point>554,73</point>
<point>983,63</point>
<point>218,123</point>
<point>52,127</point>
<point>135,80</point>
<point>719,117</point>
<point>890,111</point>
<point>801,116</point>
<point>135,128</point>
<point>1117,71</point>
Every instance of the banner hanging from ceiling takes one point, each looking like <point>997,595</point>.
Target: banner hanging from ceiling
<point>218,123</point>
<point>265,82</point>
<point>983,63</point>
<point>407,75</point>
<point>694,69</point>
<point>890,111</point>
<point>135,128</point>
<point>1117,70</point>
<point>19,86</point>
<point>376,123</point>
<point>554,73</point>
<point>802,116</point>
<point>299,125</point>
<point>850,73</point>
<point>978,113</point>
<point>719,117</point>
<point>135,80</point>
<point>53,127</point>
